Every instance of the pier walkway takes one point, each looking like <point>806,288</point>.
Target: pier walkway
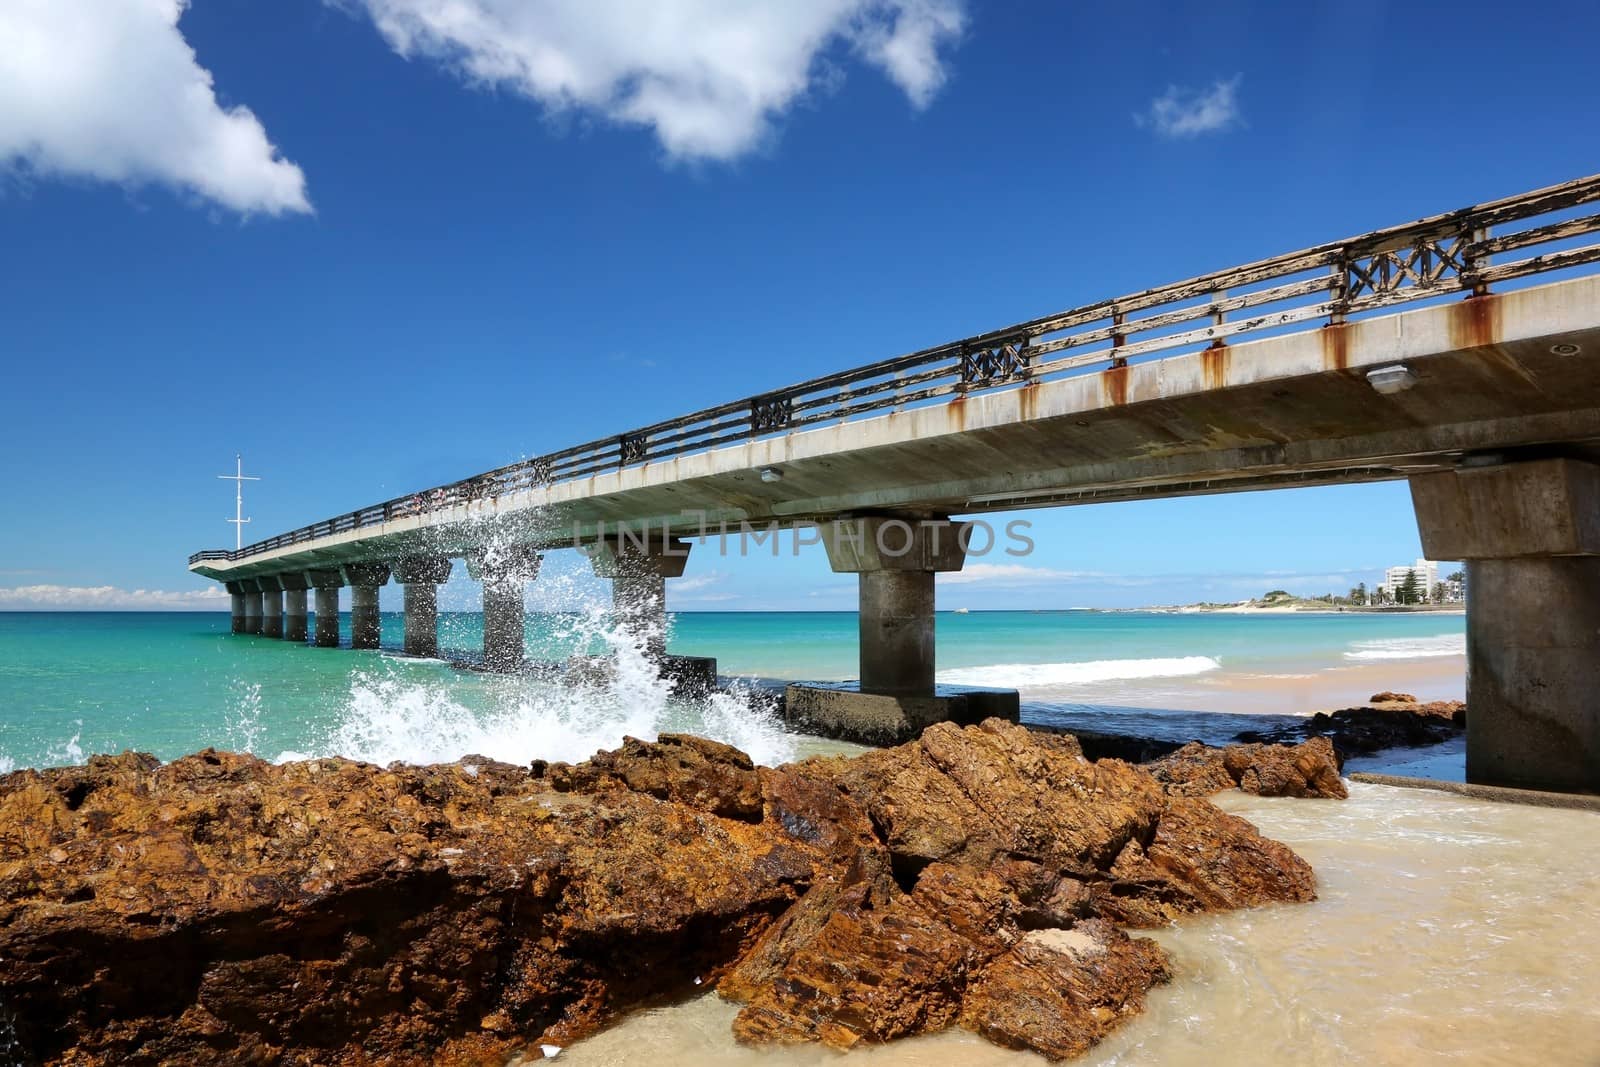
<point>1460,352</point>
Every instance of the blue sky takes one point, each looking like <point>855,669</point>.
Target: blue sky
<point>378,250</point>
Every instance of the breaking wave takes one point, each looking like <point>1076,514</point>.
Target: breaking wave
<point>1041,675</point>
<point>1408,647</point>
<point>391,714</point>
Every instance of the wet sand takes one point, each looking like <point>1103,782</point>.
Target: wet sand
<point>1449,931</point>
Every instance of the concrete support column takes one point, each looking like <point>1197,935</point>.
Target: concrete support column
<point>294,608</point>
<point>1530,535</point>
<point>896,632</point>
<point>422,576</point>
<point>236,595</point>
<point>271,607</point>
<point>327,583</point>
<point>364,580</point>
<point>252,606</point>
<point>639,567</point>
<point>896,560</point>
<point>504,570</point>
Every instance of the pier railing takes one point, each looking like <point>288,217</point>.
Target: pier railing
<point>1458,252</point>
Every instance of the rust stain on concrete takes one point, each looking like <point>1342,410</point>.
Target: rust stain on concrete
<point>1335,340</point>
<point>1114,386</point>
<point>1214,365</point>
<point>958,411</point>
<point>1475,322</point>
<point>1028,401</point>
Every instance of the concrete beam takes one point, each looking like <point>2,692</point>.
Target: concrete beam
<point>422,576</point>
<point>890,543</point>
<point>504,569</point>
<point>1528,533</point>
<point>1548,507</point>
<point>639,568</point>
<point>365,622</point>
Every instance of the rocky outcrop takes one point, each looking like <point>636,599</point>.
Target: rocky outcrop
<point>1309,769</point>
<point>995,850</point>
<point>1393,723</point>
<point>219,909</point>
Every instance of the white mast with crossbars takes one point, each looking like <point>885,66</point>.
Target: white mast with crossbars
<point>238,478</point>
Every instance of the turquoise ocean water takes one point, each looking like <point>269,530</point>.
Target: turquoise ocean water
<point>75,684</point>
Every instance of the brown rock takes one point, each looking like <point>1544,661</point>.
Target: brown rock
<point>1387,697</point>
<point>969,916</point>
<point>1309,769</point>
<point>220,909</point>
<point>1059,992</point>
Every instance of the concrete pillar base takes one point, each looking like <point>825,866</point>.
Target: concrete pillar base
<point>422,576</point>
<point>639,568</point>
<point>327,635</point>
<point>252,612</point>
<point>422,619</point>
<point>272,613</point>
<point>504,569</point>
<point>236,597</point>
<point>504,639</point>
<point>896,559</point>
<point>364,580</point>
<point>692,676</point>
<point>1533,673</point>
<point>294,615</point>
<point>847,713</point>
<point>366,625</point>
<point>1530,535</point>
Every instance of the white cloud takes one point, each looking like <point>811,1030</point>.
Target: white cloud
<point>109,90</point>
<point>697,582</point>
<point>1014,574</point>
<point>110,598</point>
<point>1185,112</point>
<point>707,76</point>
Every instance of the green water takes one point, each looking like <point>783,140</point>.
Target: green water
<point>72,684</point>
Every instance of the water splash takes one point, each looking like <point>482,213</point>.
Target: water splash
<point>68,752</point>
<point>391,714</point>
<point>244,727</point>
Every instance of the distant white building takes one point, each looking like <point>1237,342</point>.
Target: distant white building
<point>1427,573</point>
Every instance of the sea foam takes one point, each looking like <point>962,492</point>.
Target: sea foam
<point>1041,675</point>
<point>1408,647</point>
<point>397,713</point>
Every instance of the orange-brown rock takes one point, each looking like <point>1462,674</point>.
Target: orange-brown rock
<point>219,909</point>
<point>997,886</point>
<point>1309,769</point>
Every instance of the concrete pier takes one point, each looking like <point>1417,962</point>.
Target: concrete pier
<point>294,606</point>
<point>271,607</point>
<point>236,597</point>
<point>639,568</point>
<point>327,583</point>
<point>252,607</point>
<point>1530,535</point>
<point>895,560</point>
<point>364,580</point>
<point>422,576</point>
<point>504,570</point>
